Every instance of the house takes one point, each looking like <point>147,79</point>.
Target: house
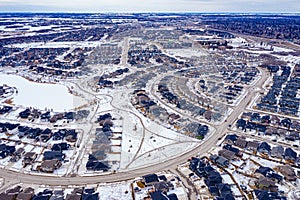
<point>24,196</point>
<point>162,186</point>
<point>223,189</point>
<point>286,122</point>
<point>96,166</point>
<point>19,153</point>
<point>241,123</point>
<point>50,165</point>
<point>69,116</point>
<point>290,154</point>
<point>5,109</point>
<point>277,151</point>
<point>172,196</point>
<point>264,171</point>
<point>220,160</point>
<point>56,117</point>
<point>45,116</point>
<point>29,158</point>
<point>213,190</point>
<point>288,172</point>
<point>231,138</point>
<point>25,114</point>
<point>2,90</point>
<point>71,135</point>
<point>6,150</point>
<point>87,196</point>
<point>15,190</point>
<point>264,148</point>
<point>264,183</point>
<point>292,136</point>
<point>54,155</point>
<point>226,154</point>
<point>60,147</point>
<point>7,196</point>
<point>275,120</point>
<point>73,197</point>
<point>158,195</point>
<point>236,151</point>
<point>45,135</point>
<point>213,178</point>
<point>241,142</point>
<point>150,179</point>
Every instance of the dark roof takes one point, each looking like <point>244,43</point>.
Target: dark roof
<point>162,177</point>
<point>231,137</point>
<point>94,196</point>
<point>264,146</point>
<point>290,154</point>
<point>264,170</point>
<point>96,166</point>
<point>51,155</point>
<point>150,178</point>
<point>172,196</point>
<point>157,195</point>
<point>73,197</point>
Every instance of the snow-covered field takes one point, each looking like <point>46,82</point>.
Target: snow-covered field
<point>41,96</point>
<point>186,52</point>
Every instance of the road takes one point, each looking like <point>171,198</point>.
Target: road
<point>16,177</point>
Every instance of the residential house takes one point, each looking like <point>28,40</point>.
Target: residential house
<point>264,148</point>
<point>45,116</point>
<point>264,171</point>
<point>71,136</point>
<point>224,189</point>
<point>150,179</point>
<point>220,160</point>
<point>97,166</point>
<point>56,117</point>
<point>73,197</point>
<point>277,151</point>
<point>172,196</point>
<point>158,195</point>
<point>7,196</point>
<point>292,136</point>
<point>241,142</point>
<point>213,190</point>
<point>163,186</point>
<point>50,165</point>
<point>213,178</point>
<point>29,158</point>
<point>264,183</point>
<point>24,196</point>
<point>54,155</point>
<point>290,154</point>
<point>25,114</point>
<point>288,172</point>
<point>227,154</point>
<point>275,120</point>
<point>60,147</point>
<point>236,151</point>
<point>231,138</point>
<point>252,145</point>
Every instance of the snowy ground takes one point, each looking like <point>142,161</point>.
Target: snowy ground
<point>188,53</point>
<point>41,96</point>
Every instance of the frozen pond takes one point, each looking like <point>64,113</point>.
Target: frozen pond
<point>41,95</point>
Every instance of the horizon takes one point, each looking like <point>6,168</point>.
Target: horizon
<point>153,6</point>
<point>146,12</point>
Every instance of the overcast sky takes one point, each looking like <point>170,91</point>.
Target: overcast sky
<point>151,5</point>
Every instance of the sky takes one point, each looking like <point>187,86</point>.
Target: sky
<point>266,6</point>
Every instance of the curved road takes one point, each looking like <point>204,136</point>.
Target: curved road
<point>15,177</point>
